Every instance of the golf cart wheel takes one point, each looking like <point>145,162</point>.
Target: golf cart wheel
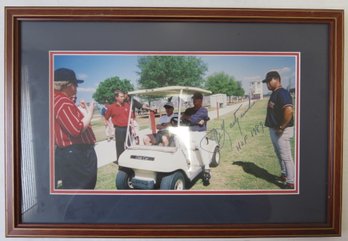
<point>174,181</point>
<point>124,179</point>
<point>215,161</point>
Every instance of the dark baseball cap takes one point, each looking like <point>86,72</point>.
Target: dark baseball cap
<point>271,75</point>
<point>197,95</point>
<point>64,74</point>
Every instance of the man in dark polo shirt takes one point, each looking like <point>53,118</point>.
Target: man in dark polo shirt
<point>75,157</point>
<point>280,121</point>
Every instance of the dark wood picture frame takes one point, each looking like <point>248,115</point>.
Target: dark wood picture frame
<point>16,16</point>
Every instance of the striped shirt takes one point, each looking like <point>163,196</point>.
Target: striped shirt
<point>68,125</point>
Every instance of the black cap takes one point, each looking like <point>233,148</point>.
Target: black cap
<point>271,75</point>
<point>197,95</point>
<point>64,74</point>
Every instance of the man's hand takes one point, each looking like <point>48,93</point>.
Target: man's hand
<point>91,106</point>
<point>201,122</point>
<point>147,107</point>
<point>87,119</point>
<point>287,116</point>
<point>280,131</point>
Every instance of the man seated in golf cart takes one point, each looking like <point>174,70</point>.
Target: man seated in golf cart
<point>197,116</point>
<point>162,136</point>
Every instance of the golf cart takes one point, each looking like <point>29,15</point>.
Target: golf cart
<point>188,156</point>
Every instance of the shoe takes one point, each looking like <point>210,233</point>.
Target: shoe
<point>289,186</point>
<point>282,178</point>
<point>206,178</point>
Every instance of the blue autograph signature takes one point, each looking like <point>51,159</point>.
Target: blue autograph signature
<point>222,136</point>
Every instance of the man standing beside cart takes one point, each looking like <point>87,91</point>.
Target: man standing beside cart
<point>280,121</point>
<point>75,157</point>
<point>119,114</point>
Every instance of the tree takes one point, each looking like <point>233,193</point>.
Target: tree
<point>239,91</point>
<point>106,88</point>
<point>224,83</point>
<point>159,71</point>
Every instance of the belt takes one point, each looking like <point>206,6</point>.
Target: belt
<point>120,126</point>
<point>80,146</point>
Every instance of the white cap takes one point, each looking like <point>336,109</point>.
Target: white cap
<point>169,104</point>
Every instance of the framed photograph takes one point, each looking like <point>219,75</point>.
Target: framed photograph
<point>173,122</point>
<point>227,130</point>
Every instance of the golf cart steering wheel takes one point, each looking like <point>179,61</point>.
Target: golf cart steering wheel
<point>185,122</point>
<point>174,121</point>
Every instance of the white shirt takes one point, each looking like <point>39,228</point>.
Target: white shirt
<point>166,119</point>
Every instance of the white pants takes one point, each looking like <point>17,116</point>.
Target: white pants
<point>109,129</point>
<point>282,148</point>
<point>199,142</point>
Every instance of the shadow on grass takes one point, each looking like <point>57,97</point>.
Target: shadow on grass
<point>253,169</point>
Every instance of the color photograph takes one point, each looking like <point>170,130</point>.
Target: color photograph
<point>174,122</point>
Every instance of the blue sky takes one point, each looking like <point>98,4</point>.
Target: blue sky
<point>94,68</point>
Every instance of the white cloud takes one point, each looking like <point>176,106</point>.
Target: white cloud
<point>87,90</point>
<point>283,71</point>
<point>287,76</point>
<point>82,76</point>
<point>252,78</point>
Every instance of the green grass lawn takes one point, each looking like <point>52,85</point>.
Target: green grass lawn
<point>106,177</point>
<point>248,161</point>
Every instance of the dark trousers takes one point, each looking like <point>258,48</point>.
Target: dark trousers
<point>77,165</point>
<point>120,135</point>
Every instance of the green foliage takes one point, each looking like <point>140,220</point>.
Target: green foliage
<point>159,71</point>
<point>106,88</point>
<point>224,83</point>
<point>239,91</point>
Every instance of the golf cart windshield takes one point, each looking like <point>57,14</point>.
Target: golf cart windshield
<point>145,126</point>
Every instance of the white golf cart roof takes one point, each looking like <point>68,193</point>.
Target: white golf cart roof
<point>178,91</point>
<point>169,91</point>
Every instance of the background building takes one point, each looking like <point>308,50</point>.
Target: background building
<point>256,90</point>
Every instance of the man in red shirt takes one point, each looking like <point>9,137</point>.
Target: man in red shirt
<point>75,157</point>
<point>119,113</point>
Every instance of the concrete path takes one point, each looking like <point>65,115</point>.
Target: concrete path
<point>228,109</point>
<point>106,151</point>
